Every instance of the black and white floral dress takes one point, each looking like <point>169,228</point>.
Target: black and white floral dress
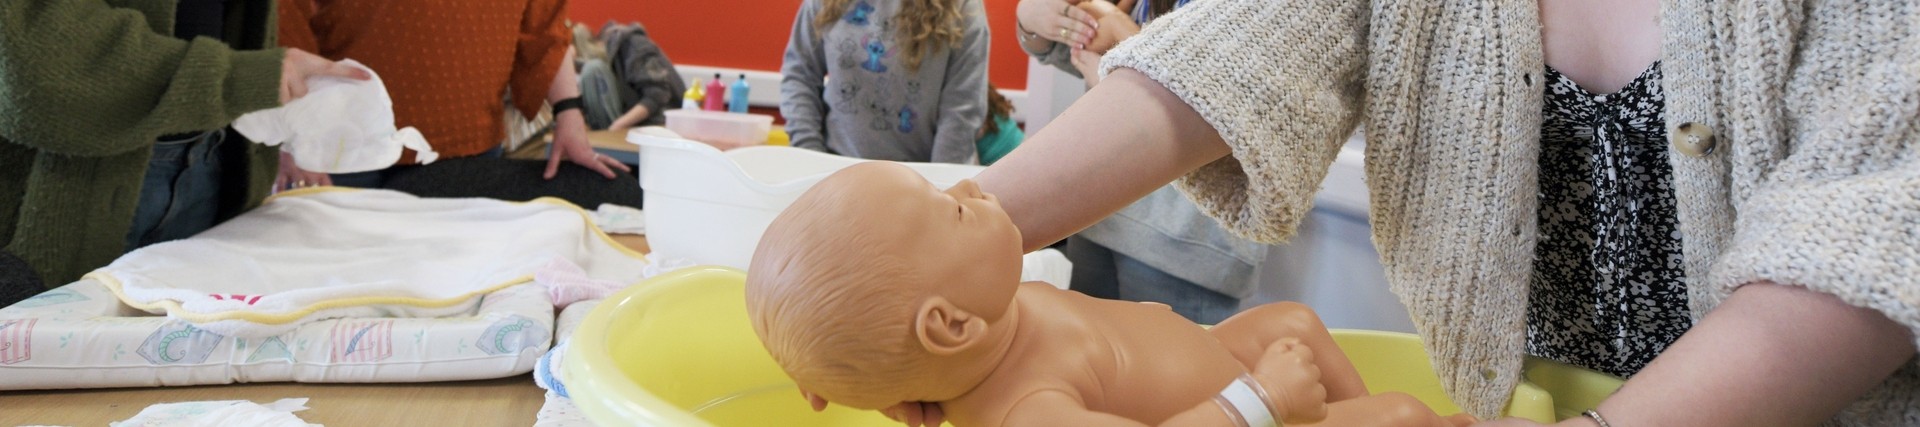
<point>1607,290</point>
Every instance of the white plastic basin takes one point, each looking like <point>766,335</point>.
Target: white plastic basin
<point>711,207</point>
<point>719,127</point>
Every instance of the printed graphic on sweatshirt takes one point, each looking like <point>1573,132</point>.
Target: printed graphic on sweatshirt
<point>877,52</point>
<point>913,91</point>
<point>848,53</point>
<point>860,13</point>
<point>882,117</point>
<point>906,118</point>
<point>844,97</point>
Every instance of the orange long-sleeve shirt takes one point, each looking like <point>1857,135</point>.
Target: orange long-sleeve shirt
<point>445,62</point>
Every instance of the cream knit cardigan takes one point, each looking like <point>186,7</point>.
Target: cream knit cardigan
<point>1799,162</point>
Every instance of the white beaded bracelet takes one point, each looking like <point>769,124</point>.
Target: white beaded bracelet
<point>1595,415</point>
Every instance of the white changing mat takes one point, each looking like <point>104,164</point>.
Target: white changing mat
<point>331,253</point>
<point>80,336</point>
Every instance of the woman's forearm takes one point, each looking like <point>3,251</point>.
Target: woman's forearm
<point>1115,145</point>
<point>1770,355</point>
<point>639,113</point>
<point>566,81</point>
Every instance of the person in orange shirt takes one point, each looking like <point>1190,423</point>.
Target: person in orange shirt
<point>447,64</point>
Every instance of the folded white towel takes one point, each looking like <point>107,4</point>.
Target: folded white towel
<point>330,253</point>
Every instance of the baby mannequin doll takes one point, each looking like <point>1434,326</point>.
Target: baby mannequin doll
<point>876,289</point>
<point>1116,23</point>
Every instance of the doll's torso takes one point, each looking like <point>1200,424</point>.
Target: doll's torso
<point>1138,361</point>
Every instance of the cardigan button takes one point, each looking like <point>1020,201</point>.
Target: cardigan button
<point>1692,139</point>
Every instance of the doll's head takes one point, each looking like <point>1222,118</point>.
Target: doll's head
<point>876,288</point>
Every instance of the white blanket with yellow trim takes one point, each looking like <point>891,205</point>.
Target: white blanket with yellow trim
<point>332,253</point>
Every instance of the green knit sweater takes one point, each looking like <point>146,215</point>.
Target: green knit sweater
<point>85,88</point>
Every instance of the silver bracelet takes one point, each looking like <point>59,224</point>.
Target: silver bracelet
<point>1020,33</point>
<point>1595,415</point>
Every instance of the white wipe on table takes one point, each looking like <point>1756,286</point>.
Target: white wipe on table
<point>220,413</point>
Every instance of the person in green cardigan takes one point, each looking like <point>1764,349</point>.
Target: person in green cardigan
<point>112,117</point>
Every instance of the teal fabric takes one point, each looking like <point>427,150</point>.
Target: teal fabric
<point>996,145</point>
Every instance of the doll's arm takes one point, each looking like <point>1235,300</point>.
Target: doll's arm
<point>1051,408</point>
<point>1251,334</point>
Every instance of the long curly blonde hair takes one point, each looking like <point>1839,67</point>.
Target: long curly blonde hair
<point>919,25</point>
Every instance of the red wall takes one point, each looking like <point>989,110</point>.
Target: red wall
<point>754,34</point>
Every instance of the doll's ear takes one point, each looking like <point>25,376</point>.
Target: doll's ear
<point>945,329</point>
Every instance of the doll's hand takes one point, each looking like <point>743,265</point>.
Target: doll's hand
<point>913,414</point>
<point>1291,379</point>
<point>1088,63</point>
<point>818,403</point>
<point>917,414</point>
<point>1509,422</point>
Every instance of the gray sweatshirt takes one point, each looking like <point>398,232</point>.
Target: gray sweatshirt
<point>848,91</point>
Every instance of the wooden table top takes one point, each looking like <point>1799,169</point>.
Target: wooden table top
<point>509,401</point>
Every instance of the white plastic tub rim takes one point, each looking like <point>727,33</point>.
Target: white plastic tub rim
<point>764,177</point>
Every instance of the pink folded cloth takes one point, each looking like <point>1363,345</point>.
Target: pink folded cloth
<point>567,283</point>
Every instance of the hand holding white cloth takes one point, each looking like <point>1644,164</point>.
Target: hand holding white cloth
<point>340,126</point>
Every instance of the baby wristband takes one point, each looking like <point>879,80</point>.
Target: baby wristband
<point>1246,403</point>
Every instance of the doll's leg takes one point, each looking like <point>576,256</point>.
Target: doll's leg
<point>1387,410</point>
<point>1247,335</point>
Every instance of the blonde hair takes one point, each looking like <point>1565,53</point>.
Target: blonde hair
<point>816,297</point>
<point>921,24</point>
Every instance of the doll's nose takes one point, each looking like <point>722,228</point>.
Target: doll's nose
<point>967,188</point>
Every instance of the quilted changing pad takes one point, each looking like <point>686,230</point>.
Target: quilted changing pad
<point>81,336</point>
<point>316,286</point>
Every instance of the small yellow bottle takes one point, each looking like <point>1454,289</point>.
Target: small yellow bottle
<point>694,96</point>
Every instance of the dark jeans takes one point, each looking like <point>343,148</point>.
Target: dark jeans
<point>493,177</point>
<point>180,195</point>
<point>17,280</point>
<point>378,178</point>
<point>1102,273</point>
<point>602,94</point>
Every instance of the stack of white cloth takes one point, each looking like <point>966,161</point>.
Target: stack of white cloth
<point>332,253</point>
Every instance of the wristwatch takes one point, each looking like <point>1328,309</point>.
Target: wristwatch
<point>566,104</point>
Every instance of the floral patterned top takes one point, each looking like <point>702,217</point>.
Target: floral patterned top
<point>1607,290</point>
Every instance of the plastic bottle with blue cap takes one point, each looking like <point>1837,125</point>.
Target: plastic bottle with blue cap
<point>737,95</point>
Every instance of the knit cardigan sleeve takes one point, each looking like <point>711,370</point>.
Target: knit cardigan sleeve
<point>81,78</point>
<point>1280,81</point>
<point>1831,201</point>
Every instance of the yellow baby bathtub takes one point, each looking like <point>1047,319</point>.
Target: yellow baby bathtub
<point>676,350</point>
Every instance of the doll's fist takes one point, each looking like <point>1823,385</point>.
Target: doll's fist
<point>1292,381</point>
